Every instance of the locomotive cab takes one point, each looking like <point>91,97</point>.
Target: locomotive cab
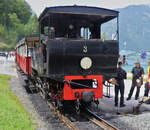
<point>71,33</point>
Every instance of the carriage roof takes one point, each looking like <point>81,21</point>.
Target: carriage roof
<point>29,40</point>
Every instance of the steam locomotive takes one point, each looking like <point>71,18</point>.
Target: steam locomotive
<point>69,61</point>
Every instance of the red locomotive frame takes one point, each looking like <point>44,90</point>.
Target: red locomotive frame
<point>69,93</point>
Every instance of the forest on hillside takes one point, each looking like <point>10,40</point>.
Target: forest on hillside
<point>16,21</point>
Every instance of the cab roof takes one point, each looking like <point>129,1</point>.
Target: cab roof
<point>100,14</point>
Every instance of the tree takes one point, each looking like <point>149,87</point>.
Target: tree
<point>23,10</point>
<point>20,7</point>
<point>2,31</point>
<point>32,26</point>
<point>6,7</point>
<point>16,22</point>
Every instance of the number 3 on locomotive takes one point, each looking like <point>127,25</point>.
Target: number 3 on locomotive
<point>85,49</point>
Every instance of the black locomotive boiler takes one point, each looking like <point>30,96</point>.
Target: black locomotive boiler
<point>71,60</point>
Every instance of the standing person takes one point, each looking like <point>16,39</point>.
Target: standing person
<point>121,75</point>
<point>147,84</point>
<point>137,80</point>
<point>6,54</point>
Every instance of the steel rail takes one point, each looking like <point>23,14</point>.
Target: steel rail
<point>61,116</point>
<point>99,121</point>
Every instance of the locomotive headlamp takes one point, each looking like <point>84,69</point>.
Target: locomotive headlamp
<point>86,63</point>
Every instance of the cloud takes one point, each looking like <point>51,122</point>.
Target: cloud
<point>39,5</point>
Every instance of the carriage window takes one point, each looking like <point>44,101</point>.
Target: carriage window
<point>22,50</point>
<point>46,30</point>
<point>30,51</point>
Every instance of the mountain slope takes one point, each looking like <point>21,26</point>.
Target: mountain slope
<point>134,27</point>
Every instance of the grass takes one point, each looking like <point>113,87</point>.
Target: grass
<point>13,116</point>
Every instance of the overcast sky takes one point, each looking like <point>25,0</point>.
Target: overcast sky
<point>38,5</point>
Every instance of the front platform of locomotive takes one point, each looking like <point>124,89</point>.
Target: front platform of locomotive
<point>75,52</point>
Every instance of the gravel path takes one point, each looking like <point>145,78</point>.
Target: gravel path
<point>8,66</point>
<point>129,121</point>
<point>136,122</point>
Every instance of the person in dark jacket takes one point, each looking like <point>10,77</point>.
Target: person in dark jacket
<point>137,80</point>
<point>121,75</point>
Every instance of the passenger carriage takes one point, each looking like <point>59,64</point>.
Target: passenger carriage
<point>23,53</point>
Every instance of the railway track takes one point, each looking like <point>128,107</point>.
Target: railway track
<point>99,121</point>
<point>91,116</point>
<point>61,116</point>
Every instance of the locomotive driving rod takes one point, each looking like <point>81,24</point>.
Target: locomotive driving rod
<point>74,83</point>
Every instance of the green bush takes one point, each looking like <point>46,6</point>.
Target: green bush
<point>16,22</point>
